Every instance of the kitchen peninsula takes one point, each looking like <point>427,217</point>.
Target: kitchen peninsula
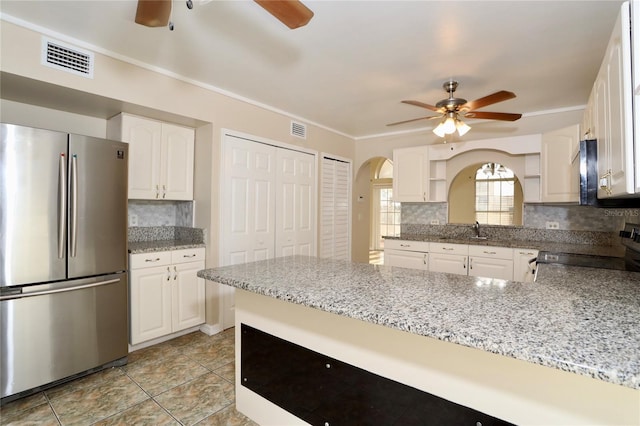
<point>563,350</point>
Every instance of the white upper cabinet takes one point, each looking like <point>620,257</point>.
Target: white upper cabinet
<point>560,182</point>
<point>160,157</point>
<point>613,113</point>
<point>410,174</point>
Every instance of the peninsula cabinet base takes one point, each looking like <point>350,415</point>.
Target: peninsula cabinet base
<point>515,391</point>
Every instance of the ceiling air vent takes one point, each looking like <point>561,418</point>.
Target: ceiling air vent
<point>68,58</point>
<point>299,130</point>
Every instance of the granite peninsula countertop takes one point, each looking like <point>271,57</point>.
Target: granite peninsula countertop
<point>580,320</point>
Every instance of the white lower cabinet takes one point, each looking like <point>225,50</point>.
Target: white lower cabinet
<point>491,262</point>
<point>522,269</point>
<point>451,258</point>
<point>406,254</point>
<point>165,293</point>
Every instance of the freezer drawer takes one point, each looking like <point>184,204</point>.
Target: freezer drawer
<point>63,329</point>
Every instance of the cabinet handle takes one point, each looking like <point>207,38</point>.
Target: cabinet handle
<point>525,253</point>
<point>164,191</point>
<point>175,276</point>
<point>424,196</point>
<point>157,191</point>
<point>152,260</point>
<point>405,245</point>
<point>464,263</point>
<point>168,273</point>
<point>488,252</point>
<point>471,263</point>
<point>447,248</point>
<point>424,259</point>
<point>189,255</point>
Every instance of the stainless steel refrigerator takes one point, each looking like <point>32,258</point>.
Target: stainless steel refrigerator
<point>63,257</point>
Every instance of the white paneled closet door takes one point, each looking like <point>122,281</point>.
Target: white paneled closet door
<point>335,221</point>
<point>248,194</point>
<point>295,203</point>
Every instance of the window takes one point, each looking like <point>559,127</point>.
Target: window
<point>494,194</point>
<point>389,213</point>
<point>385,212</point>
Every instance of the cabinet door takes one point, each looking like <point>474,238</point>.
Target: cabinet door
<point>491,267</point>
<point>406,259</point>
<point>620,107</point>
<point>451,263</point>
<point>150,300</point>
<point>177,162</point>
<point>144,138</point>
<point>522,270</point>
<point>187,296</point>
<point>559,182</point>
<point>410,174</point>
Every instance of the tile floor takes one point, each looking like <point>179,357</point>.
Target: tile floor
<point>186,381</point>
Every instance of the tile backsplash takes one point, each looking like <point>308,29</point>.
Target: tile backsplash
<point>160,213</point>
<point>569,217</point>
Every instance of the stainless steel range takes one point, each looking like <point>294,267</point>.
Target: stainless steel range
<point>630,238</point>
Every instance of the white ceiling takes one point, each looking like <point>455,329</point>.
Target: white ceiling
<point>350,67</point>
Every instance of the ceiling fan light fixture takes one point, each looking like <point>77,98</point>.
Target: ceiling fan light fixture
<point>462,127</point>
<point>439,130</point>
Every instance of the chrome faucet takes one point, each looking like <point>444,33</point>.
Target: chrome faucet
<point>476,227</point>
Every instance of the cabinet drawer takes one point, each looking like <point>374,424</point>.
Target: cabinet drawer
<point>146,260</point>
<point>406,245</point>
<point>187,255</point>
<point>449,248</point>
<point>490,251</point>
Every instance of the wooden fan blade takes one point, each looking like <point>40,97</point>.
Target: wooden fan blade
<point>504,116</point>
<point>153,13</point>
<point>422,105</point>
<point>292,13</point>
<point>414,119</point>
<point>493,98</point>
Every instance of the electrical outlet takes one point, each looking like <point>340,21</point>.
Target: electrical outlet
<point>553,225</point>
<point>133,219</point>
<point>435,222</point>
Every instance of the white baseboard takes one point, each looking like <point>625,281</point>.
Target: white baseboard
<point>211,329</point>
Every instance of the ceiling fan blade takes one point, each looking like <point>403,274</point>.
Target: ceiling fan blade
<point>504,116</point>
<point>153,13</point>
<point>292,13</point>
<point>422,105</point>
<point>493,98</point>
<point>414,119</point>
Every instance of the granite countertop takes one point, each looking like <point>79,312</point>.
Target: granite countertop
<point>581,320</point>
<point>162,238</point>
<point>162,245</point>
<point>559,247</point>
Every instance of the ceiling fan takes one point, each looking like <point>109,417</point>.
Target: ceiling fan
<point>451,109</point>
<point>292,13</point>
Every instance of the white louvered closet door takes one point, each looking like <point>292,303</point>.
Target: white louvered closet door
<point>335,221</point>
<point>295,203</point>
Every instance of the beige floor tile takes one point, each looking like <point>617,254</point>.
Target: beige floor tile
<point>158,375</point>
<point>213,354</point>
<point>192,402</point>
<point>227,372</point>
<point>91,380</point>
<point>89,404</point>
<point>22,404</point>
<point>194,338</point>
<point>228,416</point>
<point>40,415</point>
<point>161,350</point>
<point>145,413</point>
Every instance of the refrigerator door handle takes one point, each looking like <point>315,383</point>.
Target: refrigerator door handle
<point>62,204</point>
<point>74,205</point>
<point>58,290</point>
